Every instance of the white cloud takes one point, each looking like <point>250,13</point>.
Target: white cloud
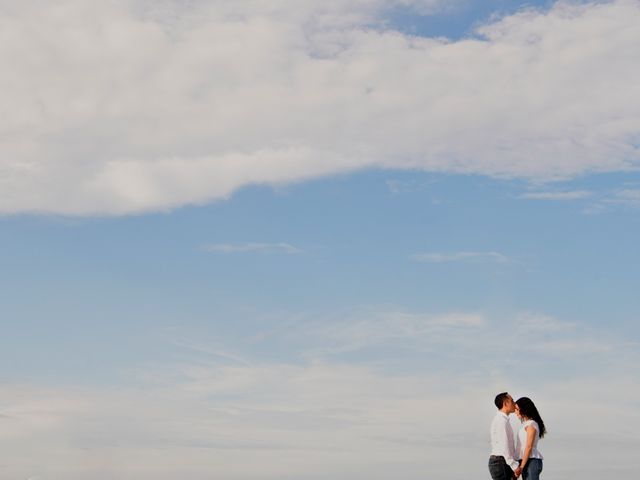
<point>569,195</point>
<point>135,106</point>
<point>460,256</point>
<point>252,247</point>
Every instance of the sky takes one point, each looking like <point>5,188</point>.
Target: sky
<point>312,240</point>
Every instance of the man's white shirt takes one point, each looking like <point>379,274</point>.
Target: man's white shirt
<point>502,443</point>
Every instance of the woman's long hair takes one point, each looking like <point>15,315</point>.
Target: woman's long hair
<point>528,409</point>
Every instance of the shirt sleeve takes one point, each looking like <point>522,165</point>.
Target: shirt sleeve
<point>513,463</point>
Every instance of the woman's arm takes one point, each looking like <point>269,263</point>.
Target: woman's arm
<point>531,435</point>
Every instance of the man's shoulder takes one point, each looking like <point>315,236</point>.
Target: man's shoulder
<point>499,418</point>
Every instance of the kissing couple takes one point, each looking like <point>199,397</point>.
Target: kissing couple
<point>510,459</point>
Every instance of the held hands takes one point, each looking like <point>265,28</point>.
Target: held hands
<point>517,473</point>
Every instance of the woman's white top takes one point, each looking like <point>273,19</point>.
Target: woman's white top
<point>521,443</point>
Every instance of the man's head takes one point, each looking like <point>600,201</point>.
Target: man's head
<point>505,403</point>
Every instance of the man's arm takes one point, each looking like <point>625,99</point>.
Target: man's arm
<point>513,463</point>
<point>510,448</point>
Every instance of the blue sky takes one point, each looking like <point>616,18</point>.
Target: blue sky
<point>459,19</point>
<point>332,241</point>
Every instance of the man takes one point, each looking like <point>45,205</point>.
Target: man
<point>502,463</point>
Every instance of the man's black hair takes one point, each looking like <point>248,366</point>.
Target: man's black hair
<point>500,398</point>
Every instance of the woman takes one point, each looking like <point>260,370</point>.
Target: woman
<point>531,431</point>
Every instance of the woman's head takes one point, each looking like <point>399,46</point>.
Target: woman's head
<point>526,410</point>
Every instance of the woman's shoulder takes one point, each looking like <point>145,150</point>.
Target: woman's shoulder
<point>532,423</point>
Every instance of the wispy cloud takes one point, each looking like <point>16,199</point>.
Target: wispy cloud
<point>600,201</point>
<point>209,350</point>
<point>460,257</point>
<point>572,347</point>
<point>397,186</point>
<point>380,335</point>
<point>460,320</point>
<point>566,195</point>
<point>629,197</point>
<point>399,330</point>
<point>623,197</point>
<point>533,323</point>
<point>252,248</point>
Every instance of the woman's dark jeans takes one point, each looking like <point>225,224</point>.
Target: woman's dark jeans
<point>532,469</point>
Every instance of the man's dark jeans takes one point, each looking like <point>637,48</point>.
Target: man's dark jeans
<point>499,469</point>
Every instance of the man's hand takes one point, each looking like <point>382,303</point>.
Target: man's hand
<point>517,473</point>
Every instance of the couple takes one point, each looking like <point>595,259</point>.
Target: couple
<point>511,459</point>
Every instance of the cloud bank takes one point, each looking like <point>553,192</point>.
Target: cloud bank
<point>135,106</point>
<point>328,418</point>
